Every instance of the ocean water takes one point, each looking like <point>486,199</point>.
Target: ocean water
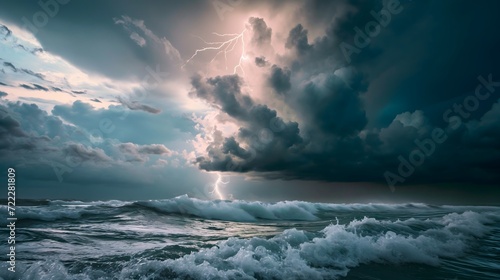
<point>186,238</point>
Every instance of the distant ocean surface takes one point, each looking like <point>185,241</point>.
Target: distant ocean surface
<point>186,238</point>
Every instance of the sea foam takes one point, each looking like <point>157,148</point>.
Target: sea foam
<point>329,253</point>
<point>294,254</point>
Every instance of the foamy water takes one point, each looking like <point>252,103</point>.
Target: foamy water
<point>186,238</point>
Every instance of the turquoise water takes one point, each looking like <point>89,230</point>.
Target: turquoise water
<point>186,238</point>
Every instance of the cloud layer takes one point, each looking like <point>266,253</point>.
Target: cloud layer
<point>326,98</point>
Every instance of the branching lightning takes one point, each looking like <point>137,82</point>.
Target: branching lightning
<point>224,47</point>
<point>217,190</point>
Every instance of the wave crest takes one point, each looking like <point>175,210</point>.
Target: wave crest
<point>235,210</point>
<point>295,254</point>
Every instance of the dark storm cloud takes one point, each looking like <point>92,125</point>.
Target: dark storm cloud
<point>11,126</point>
<point>22,137</point>
<point>96,100</point>
<point>334,105</point>
<point>3,94</point>
<point>470,154</point>
<point>417,60</point>
<point>54,157</point>
<point>134,105</point>
<point>79,91</point>
<point>261,61</point>
<point>222,92</point>
<point>79,151</point>
<point>276,146</point>
<point>297,39</point>
<point>280,79</point>
<point>34,87</point>
<point>350,118</point>
<point>330,98</point>
<point>39,135</point>
<point>261,32</point>
<point>225,93</point>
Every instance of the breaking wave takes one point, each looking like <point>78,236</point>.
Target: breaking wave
<point>298,254</point>
<point>236,210</point>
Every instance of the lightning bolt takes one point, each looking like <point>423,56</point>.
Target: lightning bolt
<point>217,190</point>
<point>224,47</point>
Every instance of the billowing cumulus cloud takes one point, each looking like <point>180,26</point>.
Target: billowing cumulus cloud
<point>280,79</point>
<point>297,39</point>
<point>261,32</point>
<point>86,153</point>
<point>225,93</point>
<point>63,153</point>
<point>330,137</point>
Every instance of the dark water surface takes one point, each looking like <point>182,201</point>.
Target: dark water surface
<point>186,238</point>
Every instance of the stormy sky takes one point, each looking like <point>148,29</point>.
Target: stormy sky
<point>339,101</point>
